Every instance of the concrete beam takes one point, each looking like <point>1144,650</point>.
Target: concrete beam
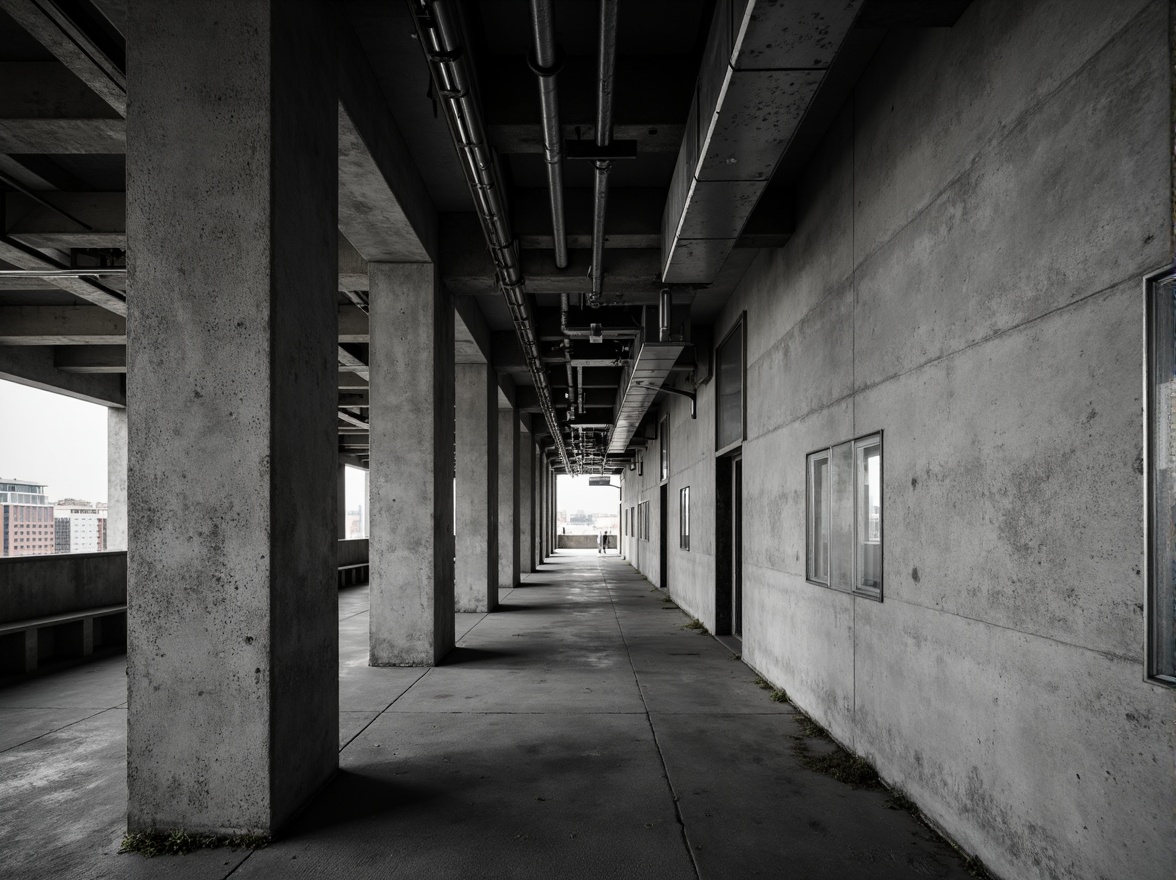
<point>95,56</point>
<point>93,326</point>
<point>90,358</point>
<point>473,335</point>
<point>523,138</point>
<point>34,366</point>
<point>385,210</point>
<point>468,270</point>
<point>62,136</point>
<point>20,256</point>
<point>633,219</point>
<point>61,325</point>
<point>41,227</point>
<point>48,90</point>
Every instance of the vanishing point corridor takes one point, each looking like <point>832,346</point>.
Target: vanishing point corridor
<point>580,730</point>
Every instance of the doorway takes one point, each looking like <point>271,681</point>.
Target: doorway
<point>663,540</point>
<point>729,545</point>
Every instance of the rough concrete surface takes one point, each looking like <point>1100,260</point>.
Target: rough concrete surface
<point>578,732</point>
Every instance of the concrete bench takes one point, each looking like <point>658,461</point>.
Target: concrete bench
<point>27,644</point>
<point>349,575</point>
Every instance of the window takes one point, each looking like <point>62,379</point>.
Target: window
<point>843,513</point>
<point>729,411</point>
<point>868,519</point>
<point>643,507</point>
<point>818,517</point>
<point>664,433</point>
<point>1161,476</point>
<point>684,518</point>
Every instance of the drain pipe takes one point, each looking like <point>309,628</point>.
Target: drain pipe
<point>546,61</point>
<point>580,388</point>
<point>567,350</point>
<point>439,29</point>
<point>605,74</point>
<point>665,303</point>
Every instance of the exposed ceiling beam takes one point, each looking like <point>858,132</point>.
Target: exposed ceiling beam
<point>21,256</point>
<point>90,358</point>
<point>752,78</point>
<point>63,136</point>
<point>39,225</point>
<point>90,325</point>
<point>94,53</point>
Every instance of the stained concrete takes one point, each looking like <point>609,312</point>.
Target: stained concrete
<point>581,732</point>
<point>476,557</point>
<point>965,277</point>
<point>508,498</point>
<point>232,378</point>
<point>412,449</point>
<point>116,478</point>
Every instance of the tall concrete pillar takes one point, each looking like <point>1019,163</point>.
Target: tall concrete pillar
<point>508,499</point>
<point>538,508</point>
<point>526,502</point>
<point>341,501</point>
<point>476,576</point>
<point>411,466</point>
<point>116,479</point>
<point>232,663</point>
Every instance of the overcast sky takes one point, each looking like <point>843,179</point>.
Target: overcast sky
<point>574,493</point>
<point>52,439</point>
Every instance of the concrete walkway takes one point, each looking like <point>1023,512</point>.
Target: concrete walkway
<point>579,731</point>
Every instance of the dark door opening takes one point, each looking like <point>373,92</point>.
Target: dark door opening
<point>663,541</point>
<point>729,545</point>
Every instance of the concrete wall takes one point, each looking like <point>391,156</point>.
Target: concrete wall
<point>965,277</point>
<point>353,551</point>
<point>37,586</point>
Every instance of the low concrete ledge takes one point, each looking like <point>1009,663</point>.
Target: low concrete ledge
<point>43,586</point>
<point>582,542</point>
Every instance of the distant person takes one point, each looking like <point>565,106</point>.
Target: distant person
<point>605,551</point>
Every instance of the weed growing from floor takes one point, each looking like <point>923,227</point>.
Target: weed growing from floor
<point>839,764</point>
<point>179,843</point>
<point>899,801</point>
<point>975,867</point>
<point>697,625</point>
<point>763,684</point>
<point>778,695</point>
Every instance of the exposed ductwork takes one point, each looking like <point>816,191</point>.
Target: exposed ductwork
<point>764,62</point>
<point>605,75</point>
<point>545,62</point>
<point>440,30</point>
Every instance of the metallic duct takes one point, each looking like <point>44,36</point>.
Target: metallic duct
<point>605,75</point>
<point>545,62</point>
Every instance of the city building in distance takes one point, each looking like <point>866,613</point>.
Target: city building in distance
<point>26,519</point>
<point>79,526</point>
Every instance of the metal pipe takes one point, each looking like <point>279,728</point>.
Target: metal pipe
<point>546,61</point>
<point>605,74</point>
<point>585,332</point>
<point>580,388</point>
<point>567,350</point>
<point>439,28</point>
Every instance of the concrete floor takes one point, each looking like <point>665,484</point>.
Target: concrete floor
<point>578,731</point>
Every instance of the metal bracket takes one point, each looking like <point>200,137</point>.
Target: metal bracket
<point>689,395</point>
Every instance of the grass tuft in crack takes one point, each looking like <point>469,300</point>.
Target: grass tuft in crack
<point>899,801</point>
<point>763,684</point>
<point>778,696</point>
<point>179,843</point>
<point>697,625</point>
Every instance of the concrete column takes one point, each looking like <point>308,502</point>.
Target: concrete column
<point>476,576</point>
<point>341,503</point>
<point>232,606</point>
<point>116,479</point>
<point>526,502</point>
<point>508,499</point>
<point>411,466</point>
<point>538,509</point>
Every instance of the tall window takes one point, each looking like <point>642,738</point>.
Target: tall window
<point>1161,598</point>
<point>818,517</point>
<point>729,415</point>
<point>843,513</point>
<point>684,518</point>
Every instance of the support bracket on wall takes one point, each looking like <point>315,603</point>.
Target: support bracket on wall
<point>689,395</point>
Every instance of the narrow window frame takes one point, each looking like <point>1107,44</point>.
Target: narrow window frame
<point>664,446</point>
<point>684,518</point>
<point>861,520</point>
<point>810,565</point>
<point>739,325</point>
<point>1160,588</point>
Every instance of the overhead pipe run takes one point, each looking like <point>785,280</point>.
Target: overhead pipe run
<point>546,61</point>
<point>439,27</point>
<point>605,75</point>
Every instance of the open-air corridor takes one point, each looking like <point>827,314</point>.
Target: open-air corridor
<point>580,730</point>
